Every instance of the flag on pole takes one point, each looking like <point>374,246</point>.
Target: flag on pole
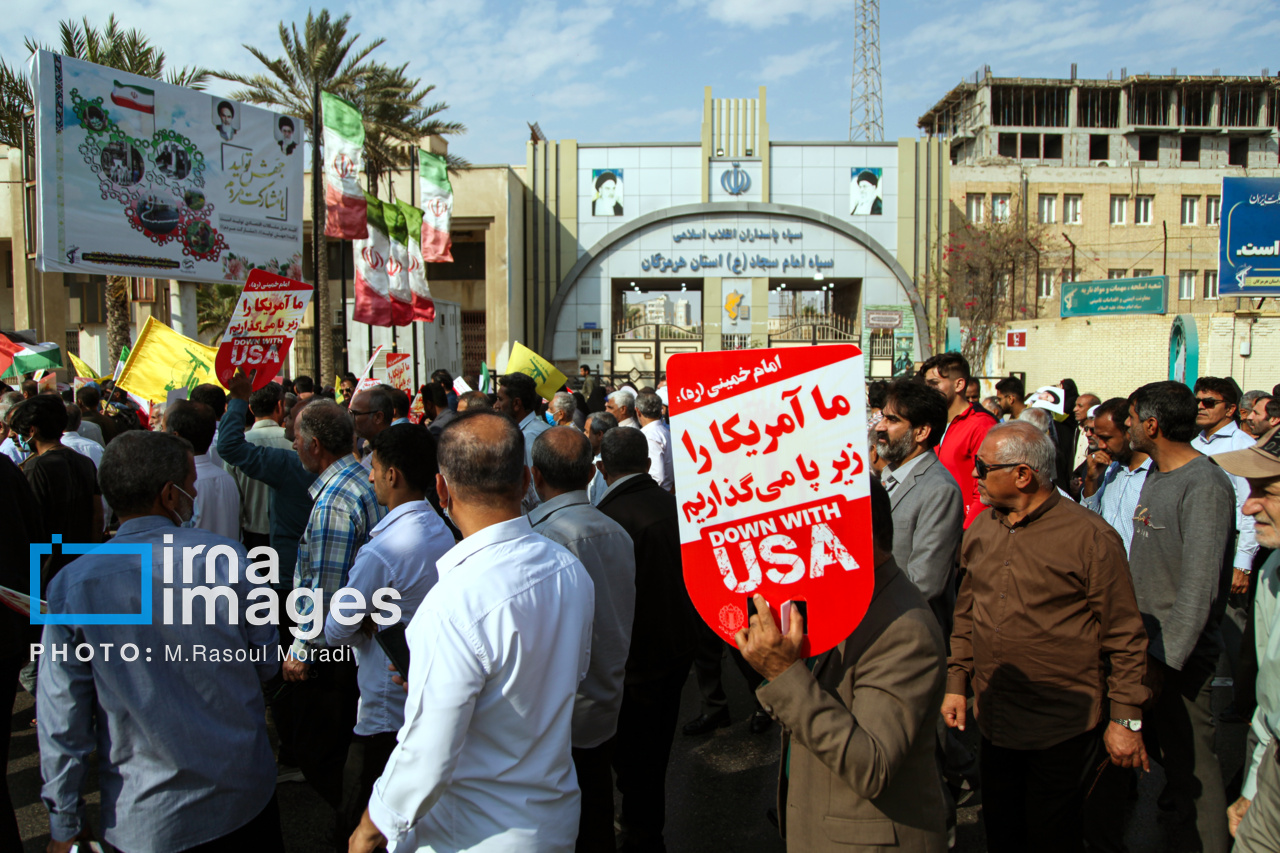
<point>398,265</point>
<point>162,360</point>
<point>373,286</point>
<point>548,378</point>
<point>344,200</point>
<point>120,363</point>
<point>20,353</point>
<point>437,207</point>
<point>83,369</point>
<point>337,389</point>
<point>424,308</point>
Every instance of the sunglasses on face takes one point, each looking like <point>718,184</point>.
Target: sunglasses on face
<point>984,469</point>
<point>1209,402</point>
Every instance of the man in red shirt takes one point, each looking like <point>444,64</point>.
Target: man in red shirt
<point>967,425</point>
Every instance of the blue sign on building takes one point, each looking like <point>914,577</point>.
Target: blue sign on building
<point>1249,237</point>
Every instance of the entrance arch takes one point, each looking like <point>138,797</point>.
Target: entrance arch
<point>687,211</point>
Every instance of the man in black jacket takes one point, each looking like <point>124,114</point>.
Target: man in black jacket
<point>662,636</point>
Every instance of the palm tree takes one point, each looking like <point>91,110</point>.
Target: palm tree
<point>320,57</point>
<point>215,306</point>
<point>115,47</point>
<point>396,122</point>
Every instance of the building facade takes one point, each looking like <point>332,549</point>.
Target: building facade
<point>1123,178</point>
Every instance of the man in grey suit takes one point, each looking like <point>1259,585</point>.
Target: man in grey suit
<point>928,509</point>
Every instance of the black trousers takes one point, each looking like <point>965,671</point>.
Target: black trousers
<point>366,759</point>
<point>261,835</point>
<point>315,718</point>
<point>646,728</point>
<point>1051,800</point>
<point>708,657</point>
<point>10,839</point>
<point>595,779</point>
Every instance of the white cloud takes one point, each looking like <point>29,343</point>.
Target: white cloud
<point>763,14</point>
<point>789,64</point>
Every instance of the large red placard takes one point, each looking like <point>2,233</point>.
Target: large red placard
<point>772,485</point>
<point>266,319</point>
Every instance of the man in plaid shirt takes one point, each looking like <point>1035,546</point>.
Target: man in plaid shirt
<point>346,509</point>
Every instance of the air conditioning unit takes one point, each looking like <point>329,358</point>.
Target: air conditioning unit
<point>1103,163</point>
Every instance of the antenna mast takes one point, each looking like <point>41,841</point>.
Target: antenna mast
<point>866,108</point>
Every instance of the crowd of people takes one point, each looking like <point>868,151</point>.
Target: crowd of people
<point>1073,575</point>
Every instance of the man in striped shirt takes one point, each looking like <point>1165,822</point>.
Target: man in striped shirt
<point>346,509</point>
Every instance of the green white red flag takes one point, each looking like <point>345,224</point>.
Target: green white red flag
<point>134,97</point>
<point>373,286</point>
<point>398,265</point>
<point>424,308</point>
<point>437,207</point>
<point>344,200</point>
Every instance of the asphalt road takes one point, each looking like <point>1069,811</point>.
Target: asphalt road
<point>719,788</point>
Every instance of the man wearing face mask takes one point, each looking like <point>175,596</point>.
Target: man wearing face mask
<point>183,755</point>
<point>218,509</point>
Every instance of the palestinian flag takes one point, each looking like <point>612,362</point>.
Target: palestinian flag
<point>398,266</point>
<point>134,98</point>
<point>344,200</point>
<point>373,284</point>
<point>20,353</point>
<point>437,207</point>
<point>424,308</point>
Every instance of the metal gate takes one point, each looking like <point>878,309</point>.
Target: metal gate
<point>807,331</point>
<point>641,351</point>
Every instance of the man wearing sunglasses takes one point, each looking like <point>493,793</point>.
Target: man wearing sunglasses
<point>1048,636</point>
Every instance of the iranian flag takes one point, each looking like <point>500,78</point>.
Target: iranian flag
<point>424,308</point>
<point>134,97</point>
<point>344,200</point>
<point>20,353</point>
<point>373,284</point>
<point>437,207</point>
<point>398,266</point>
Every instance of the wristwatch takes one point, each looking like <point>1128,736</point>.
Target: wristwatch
<point>1131,725</point>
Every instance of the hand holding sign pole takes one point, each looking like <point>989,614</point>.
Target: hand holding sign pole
<point>772,486</point>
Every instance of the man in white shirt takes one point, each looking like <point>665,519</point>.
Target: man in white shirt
<point>401,555</point>
<point>658,434</point>
<point>217,503</point>
<point>561,469</point>
<point>72,438</point>
<point>598,423</point>
<point>497,650</point>
<point>518,400</point>
<point>622,405</point>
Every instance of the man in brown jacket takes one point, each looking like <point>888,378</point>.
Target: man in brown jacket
<point>1048,634</point>
<point>858,770</point>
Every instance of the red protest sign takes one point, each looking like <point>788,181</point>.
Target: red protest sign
<point>267,316</point>
<point>400,371</point>
<point>772,485</point>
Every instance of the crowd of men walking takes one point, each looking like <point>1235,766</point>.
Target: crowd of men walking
<point>1069,573</point>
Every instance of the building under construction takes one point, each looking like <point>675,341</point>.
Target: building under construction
<point>1120,178</point>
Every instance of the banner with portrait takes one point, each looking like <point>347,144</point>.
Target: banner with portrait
<point>136,177</point>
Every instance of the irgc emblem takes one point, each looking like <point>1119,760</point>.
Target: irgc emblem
<point>735,181</point>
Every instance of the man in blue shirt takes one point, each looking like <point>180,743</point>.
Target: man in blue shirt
<point>278,467</point>
<point>1115,472</point>
<point>400,555</point>
<point>173,708</point>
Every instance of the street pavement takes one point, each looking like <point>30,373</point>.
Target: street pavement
<point>719,789</point>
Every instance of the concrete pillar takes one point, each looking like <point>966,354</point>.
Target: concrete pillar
<point>760,312</point>
<point>182,308</point>
<point>712,306</point>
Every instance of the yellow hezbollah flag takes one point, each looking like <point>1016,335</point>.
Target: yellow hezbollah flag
<point>337,389</point>
<point>526,361</point>
<point>162,360</point>
<point>83,369</point>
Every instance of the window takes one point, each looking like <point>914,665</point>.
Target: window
<point>1098,146</point>
<point>589,341</point>
<point>1002,285</point>
<point>882,343</point>
<point>1190,209</point>
<point>1238,151</point>
<point>1000,207</point>
<point>1212,210</point>
<point>1191,149</point>
<point>1044,288</point>
<point>1031,146</point>
<point>1142,210</point>
<point>1068,276</point>
<point>1149,148</point>
<point>1116,273</point>
<point>1119,209</point>
<point>1053,146</point>
<point>1187,284</point>
<point>1142,273</point>
<point>1007,145</point>
<point>973,204</point>
<point>1071,209</point>
<point>1210,284</point>
<point>1048,209</point>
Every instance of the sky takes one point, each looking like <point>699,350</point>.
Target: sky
<point>599,71</point>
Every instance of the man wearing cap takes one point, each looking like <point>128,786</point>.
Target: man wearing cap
<point>1254,819</point>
